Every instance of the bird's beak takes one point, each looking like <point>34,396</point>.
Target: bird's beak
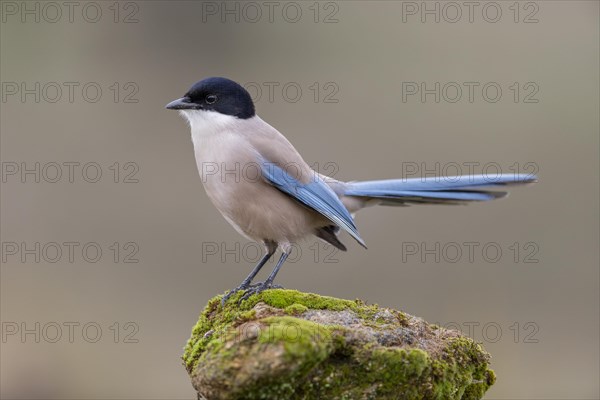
<point>183,103</point>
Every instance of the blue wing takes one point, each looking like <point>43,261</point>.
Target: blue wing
<point>315,194</point>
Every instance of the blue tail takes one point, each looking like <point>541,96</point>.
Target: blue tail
<point>436,190</point>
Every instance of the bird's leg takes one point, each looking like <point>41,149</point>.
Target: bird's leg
<point>268,284</point>
<point>246,282</point>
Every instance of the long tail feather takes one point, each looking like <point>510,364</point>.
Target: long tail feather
<point>435,190</point>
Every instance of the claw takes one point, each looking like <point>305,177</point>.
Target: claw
<point>258,288</point>
<point>227,296</point>
<point>237,289</point>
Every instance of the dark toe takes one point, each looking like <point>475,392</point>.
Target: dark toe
<point>232,292</point>
<point>254,289</point>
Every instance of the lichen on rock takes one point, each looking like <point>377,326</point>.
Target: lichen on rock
<point>285,344</point>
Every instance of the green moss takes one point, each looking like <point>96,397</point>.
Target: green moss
<point>215,320</point>
<point>388,374</point>
<point>295,309</point>
<point>280,298</point>
<point>248,351</point>
<point>211,327</point>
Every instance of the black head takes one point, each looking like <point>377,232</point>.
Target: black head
<point>216,94</point>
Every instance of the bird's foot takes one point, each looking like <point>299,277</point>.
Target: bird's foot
<point>234,291</point>
<point>258,288</point>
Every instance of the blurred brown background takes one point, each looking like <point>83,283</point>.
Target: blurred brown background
<point>539,320</point>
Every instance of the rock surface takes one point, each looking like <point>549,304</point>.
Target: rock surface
<point>284,344</point>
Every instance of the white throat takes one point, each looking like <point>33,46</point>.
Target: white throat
<point>207,123</point>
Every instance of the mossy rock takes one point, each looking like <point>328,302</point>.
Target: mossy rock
<point>284,344</point>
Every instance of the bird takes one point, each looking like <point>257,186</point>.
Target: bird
<point>270,195</point>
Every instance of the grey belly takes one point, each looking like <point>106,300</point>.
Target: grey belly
<point>259,211</point>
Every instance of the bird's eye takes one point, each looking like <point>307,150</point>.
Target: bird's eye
<point>211,98</point>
